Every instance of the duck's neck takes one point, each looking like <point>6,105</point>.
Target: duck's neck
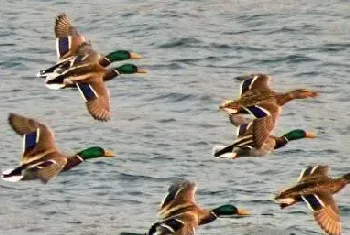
<point>104,62</point>
<point>206,216</point>
<point>285,97</point>
<point>290,136</point>
<point>110,75</point>
<point>73,162</point>
<point>280,141</point>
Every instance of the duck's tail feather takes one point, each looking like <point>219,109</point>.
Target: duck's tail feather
<point>222,151</point>
<point>12,175</point>
<point>41,74</point>
<point>55,81</point>
<point>56,69</point>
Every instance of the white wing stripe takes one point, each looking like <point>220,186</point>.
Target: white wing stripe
<point>301,174</point>
<point>313,170</point>
<point>37,135</point>
<point>253,80</point>
<point>57,48</point>
<point>93,90</point>
<point>81,93</point>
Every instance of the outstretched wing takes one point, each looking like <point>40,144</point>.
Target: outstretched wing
<point>326,212</point>
<point>254,81</point>
<point>67,37</point>
<point>181,194</point>
<point>38,139</point>
<point>262,129</point>
<point>254,135</point>
<point>313,171</point>
<point>96,96</point>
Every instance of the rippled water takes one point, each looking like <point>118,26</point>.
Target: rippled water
<point>165,125</point>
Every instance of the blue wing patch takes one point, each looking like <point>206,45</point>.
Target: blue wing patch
<point>87,91</point>
<point>313,202</point>
<point>257,111</point>
<point>242,129</point>
<point>307,171</point>
<point>30,140</point>
<point>245,85</point>
<point>63,45</point>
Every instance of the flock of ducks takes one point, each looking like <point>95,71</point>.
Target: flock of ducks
<point>80,67</point>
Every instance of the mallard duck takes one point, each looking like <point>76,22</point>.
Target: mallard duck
<point>315,188</point>
<point>58,82</point>
<point>255,91</point>
<point>255,136</point>
<point>254,139</point>
<point>182,215</point>
<point>68,41</point>
<point>41,158</point>
<point>89,76</point>
<point>104,61</point>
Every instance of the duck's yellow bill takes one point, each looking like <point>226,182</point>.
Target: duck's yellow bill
<point>141,71</point>
<point>135,56</point>
<point>311,135</point>
<point>110,153</point>
<point>243,212</point>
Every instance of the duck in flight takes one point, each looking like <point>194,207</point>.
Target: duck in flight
<point>315,188</point>
<point>181,215</point>
<point>255,136</point>
<point>255,90</point>
<point>88,76</point>
<point>68,42</point>
<point>40,158</point>
<point>255,139</point>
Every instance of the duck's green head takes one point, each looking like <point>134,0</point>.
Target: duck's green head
<point>95,152</point>
<point>129,69</point>
<point>122,55</point>
<point>299,134</point>
<point>229,210</point>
